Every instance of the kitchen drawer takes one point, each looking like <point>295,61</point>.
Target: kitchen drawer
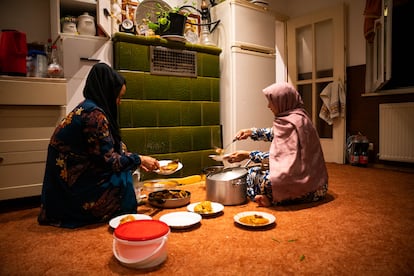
<point>32,91</point>
<point>22,166</point>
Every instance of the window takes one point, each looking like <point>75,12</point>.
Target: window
<point>390,52</point>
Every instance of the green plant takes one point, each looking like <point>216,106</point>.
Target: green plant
<point>162,15</point>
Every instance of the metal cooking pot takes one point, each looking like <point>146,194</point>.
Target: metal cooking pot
<point>228,186</point>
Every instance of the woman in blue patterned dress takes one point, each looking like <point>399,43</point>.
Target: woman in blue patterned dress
<point>88,175</point>
<point>297,171</point>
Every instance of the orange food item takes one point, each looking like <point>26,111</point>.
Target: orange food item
<point>127,218</point>
<point>170,167</point>
<point>254,220</point>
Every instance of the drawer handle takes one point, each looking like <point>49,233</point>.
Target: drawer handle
<point>1,159</point>
<point>90,59</point>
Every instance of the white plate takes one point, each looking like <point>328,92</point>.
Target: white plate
<point>181,219</point>
<point>147,10</point>
<point>218,158</point>
<point>217,207</point>
<point>174,37</point>
<point>270,217</point>
<point>165,163</point>
<point>114,223</point>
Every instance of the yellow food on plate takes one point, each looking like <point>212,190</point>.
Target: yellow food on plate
<point>219,151</point>
<point>203,207</point>
<point>127,218</point>
<point>254,220</point>
<point>170,167</point>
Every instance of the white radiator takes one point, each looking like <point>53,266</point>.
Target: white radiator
<point>396,132</point>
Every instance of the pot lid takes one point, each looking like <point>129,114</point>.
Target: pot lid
<point>141,230</point>
<point>228,174</point>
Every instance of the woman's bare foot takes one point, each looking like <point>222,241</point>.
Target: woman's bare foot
<point>262,200</point>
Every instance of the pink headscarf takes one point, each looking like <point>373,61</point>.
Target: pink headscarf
<point>296,161</point>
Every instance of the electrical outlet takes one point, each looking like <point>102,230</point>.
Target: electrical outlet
<point>371,146</point>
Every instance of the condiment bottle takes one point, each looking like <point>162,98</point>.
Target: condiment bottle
<point>54,70</point>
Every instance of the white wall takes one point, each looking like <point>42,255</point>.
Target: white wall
<point>355,21</point>
<point>33,17</point>
<point>29,16</point>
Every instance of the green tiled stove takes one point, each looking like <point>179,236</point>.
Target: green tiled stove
<point>171,109</point>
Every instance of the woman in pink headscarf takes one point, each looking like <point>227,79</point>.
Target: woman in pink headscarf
<point>297,170</point>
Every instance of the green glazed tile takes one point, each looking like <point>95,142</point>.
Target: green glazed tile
<point>157,140</point>
<point>180,139</point>
<point>211,113</point>
<point>169,113</point>
<point>216,137</point>
<point>208,65</point>
<point>190,113</point>
<point>134,84</point>
<point>134,138</point>
<point>144,114</point>
<point>202,138</point>
<point>156,87</point>
<point>201,90</point>
<point>215,89</point>
<point>131,56</point>
<point>125,113</point>
<point>179,88</point>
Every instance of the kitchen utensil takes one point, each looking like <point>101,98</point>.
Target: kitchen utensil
<point>228,145</point>
<point>227,187</point>
<point>169,198</point>
<point>159,184</point>
<point>212,169</point>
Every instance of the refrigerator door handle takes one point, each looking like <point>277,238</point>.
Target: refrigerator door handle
<point>236,49</point>
<point>254,48</point>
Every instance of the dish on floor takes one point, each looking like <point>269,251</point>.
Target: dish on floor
<point>254,219</point>
<point>181,220</point>
<point>114,223</point>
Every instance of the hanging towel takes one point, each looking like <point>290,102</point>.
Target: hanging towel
<point>333,102</point>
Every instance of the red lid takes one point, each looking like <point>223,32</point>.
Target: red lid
<point>141,230</point>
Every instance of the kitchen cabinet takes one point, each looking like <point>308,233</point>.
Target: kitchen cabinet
<point>78,53</point>
<point>30,109</point>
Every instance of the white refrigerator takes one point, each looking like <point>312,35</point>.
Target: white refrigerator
<point>246,35</point>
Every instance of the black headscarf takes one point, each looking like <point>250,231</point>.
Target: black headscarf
<point>103,86</point>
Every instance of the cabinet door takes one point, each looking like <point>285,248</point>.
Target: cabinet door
<point>78,52</point>
<point>60,8</point>
<point>103,21</point>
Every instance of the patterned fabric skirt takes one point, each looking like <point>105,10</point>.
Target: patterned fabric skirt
<point>258,183</point>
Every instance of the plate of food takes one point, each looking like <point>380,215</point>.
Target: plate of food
<point>168,167</point>
<point>254,218</point>
<point>116,221</point>
<point>181,220</point>
<point>218,157</point>
<point>205,208</point>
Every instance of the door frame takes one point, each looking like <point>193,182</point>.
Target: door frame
<point>333,148</point>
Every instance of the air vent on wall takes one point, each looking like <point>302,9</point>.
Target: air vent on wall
<point>166,61</point>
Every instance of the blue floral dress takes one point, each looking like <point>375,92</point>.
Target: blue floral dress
<point>86,181</point>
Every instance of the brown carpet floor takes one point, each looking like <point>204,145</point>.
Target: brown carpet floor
<point>364,227</point>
